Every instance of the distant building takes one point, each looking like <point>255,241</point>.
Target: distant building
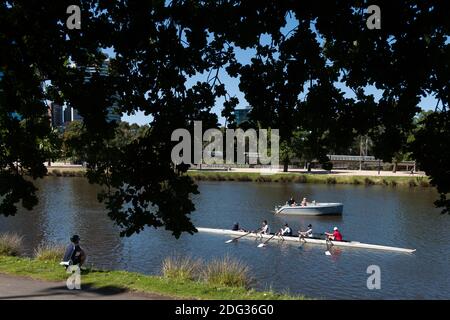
<point>113,114</point>
<point>242,115</point>
<point>67,115</point>
<point>76,116</point>
<point>56,115</point>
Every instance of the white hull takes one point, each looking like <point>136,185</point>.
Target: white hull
<point>318,209</point>
<point>296,240</point>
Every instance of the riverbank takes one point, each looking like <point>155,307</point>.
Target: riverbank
<point>409,181</point>
<point>50,270</point>
<point>293,177</point>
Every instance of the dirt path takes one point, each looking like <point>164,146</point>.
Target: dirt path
<point>18,288</point>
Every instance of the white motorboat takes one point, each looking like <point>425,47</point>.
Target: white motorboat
<point>311,209</point>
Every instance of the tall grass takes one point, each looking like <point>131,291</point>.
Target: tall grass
<point>10,244</point>
<point>49,252</point>
<point>224,271</point>
<point>181,268</point>
<point>228,272</point>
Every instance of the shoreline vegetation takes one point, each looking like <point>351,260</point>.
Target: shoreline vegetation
<point>412,181</point>
<point>181,277</point>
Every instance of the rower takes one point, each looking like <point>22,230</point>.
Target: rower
<point>308,233</point>
<point>285,231</point>
<point>264,228</point>
<point>235,226</point>
<point>336,235</point>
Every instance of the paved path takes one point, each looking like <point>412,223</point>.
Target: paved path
<point>12,287</point>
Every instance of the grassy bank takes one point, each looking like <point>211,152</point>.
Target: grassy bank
<point>309,178</point>
<point>223,279</point>
<point>177,288</point>
<point>418,181</point>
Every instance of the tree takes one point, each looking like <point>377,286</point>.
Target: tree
<point>290,82</point>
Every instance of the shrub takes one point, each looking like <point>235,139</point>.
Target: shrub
<point>181,268</point>
<point>393,183</point>
<point>368,182</point>
<point>227,272</point>
<point>327,166</point>
<point>356,181</point>
<point>52,252</point>
<point>10,244</point>
<point>57,172</point>
<point>301,179</point>
<point>412,183</point>
<point>331,180</point>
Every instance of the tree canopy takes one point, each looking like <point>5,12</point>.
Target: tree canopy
<point>292,83</point>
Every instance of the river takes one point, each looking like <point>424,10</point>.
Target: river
<point>403,217</point>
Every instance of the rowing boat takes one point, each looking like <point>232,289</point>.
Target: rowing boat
<point>293,240</point>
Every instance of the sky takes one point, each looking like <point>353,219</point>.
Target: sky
<point>232,84</point>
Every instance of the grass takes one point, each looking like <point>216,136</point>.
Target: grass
<point>51,271</point>
<point>10,244</point>
<point>66,172</point>
<point>181,268</point>
<point>309,178</point>
<point>227,272</point>
<point>279,177</point>
<point>49,252</point>
<point>224,271</point>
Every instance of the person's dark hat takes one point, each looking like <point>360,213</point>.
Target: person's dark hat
<point>75,238</point>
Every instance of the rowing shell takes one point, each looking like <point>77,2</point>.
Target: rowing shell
<point>293,240</point>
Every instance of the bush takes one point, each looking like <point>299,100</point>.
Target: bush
<point>368,182</point>
<point>49,252</point>
<point>181,268</point>
<point>327,166</point>
<point>331,180</point>
<point>301,179</point>
<point>227,272</point>
<point>56,172</point>
<point>412,183</point>
<point>356,181</point>
<point>10,244</point>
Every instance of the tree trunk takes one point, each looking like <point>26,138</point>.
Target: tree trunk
<point>309,166</point>
<point>285,166</point>
<point>394,170</point>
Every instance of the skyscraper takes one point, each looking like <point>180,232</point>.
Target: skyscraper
<point>242,114</point>
<point>112,111</point>
<point>56,114</point>
<point>67,115</point>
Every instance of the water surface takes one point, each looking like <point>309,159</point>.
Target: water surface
<point>403,217</point>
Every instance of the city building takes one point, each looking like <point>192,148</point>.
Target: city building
<point>113,113</point>
<point>67,115</point>
<point>56,115</point>
<point>242,115</point>
<point>76,116</point>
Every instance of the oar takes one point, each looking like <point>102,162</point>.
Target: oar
<point>264,243</point>
<point>235,239</point>
<point>301,239</point>
<point>328,242</point>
